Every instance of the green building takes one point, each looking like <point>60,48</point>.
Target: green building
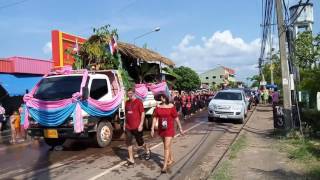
<point>218,76</point>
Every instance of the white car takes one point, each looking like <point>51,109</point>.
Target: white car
<point>228,104</point>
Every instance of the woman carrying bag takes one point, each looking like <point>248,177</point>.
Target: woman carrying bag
<point>165,114</point>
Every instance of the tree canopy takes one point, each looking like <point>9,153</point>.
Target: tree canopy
<point>307,49</point>
<point>187,79</point>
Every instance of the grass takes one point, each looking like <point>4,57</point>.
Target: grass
<point>238,146</point>
<point>305,152</point>
<point>224,170</point>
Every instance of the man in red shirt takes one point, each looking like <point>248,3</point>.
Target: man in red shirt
<point>134,125</point>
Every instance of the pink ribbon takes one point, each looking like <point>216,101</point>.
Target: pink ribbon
<point>78,125</point>
<point>158,88</point>
<point>141,90</point>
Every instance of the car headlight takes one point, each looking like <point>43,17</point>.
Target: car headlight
<point>213,106</point>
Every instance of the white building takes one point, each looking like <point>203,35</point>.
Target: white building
<point>218,76</point>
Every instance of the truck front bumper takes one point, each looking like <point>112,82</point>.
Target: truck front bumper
<point>62,132</point>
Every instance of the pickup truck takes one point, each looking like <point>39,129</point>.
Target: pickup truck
<point>101,86</point>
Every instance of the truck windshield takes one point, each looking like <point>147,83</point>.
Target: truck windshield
<point>57,88</point>
<point>228,96</point>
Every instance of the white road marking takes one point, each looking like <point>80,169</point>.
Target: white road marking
<point>124,162</point>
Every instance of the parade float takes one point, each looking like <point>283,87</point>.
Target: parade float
<point>83,96</point>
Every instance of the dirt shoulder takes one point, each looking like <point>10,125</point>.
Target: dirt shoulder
<point>259,153</point>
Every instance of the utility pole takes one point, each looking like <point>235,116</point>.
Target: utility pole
<point>284,66</point>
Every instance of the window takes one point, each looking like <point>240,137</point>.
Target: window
<point>214,77</point>
<point>221,76</point>
<point>207,77</point>
<point>229,96</point>
<point>50,89</point>
<point>99,88</point>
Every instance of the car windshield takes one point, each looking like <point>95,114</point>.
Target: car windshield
<point>228,96</point>
<point>57,88</point>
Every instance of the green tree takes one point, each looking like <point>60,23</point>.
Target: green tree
<point>255,80</point>
<point>307,49</point>
<point>307,56</point>
<point>188,79</point>
<point>96,49</point>
<point>266,70</point>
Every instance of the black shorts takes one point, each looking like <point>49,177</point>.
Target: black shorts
<point>130,134</point>
<point>2,119</point>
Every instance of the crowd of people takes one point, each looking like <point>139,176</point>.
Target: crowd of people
<point>188,103</point>
<point>267,96</point>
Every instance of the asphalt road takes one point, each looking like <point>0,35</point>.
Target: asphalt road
<point>82,160</point>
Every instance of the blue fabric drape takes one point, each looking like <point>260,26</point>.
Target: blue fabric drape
<point>52,118</point>
<point>94,111</point>
<point>56,117</point>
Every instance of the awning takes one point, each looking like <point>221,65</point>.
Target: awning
<point>16,85</point>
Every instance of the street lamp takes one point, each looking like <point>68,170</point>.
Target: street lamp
<point>154,30</point>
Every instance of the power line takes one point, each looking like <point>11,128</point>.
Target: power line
<point>13,4</point>
<point>295,12</point>
<point>266,28</point>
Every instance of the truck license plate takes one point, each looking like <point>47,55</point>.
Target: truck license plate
<point>50,133</point>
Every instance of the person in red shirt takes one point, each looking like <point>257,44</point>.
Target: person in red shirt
<point>134,125</point>
<point>165,114</point>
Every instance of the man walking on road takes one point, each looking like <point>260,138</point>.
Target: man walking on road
<point>134,125</point>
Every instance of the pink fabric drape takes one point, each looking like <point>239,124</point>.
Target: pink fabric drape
<point>78,125</point>
<point>107,105</point>
<point>141,90</point>
<point>157,88</point>
<point>40,104</point>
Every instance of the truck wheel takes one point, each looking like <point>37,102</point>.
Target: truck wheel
<point>148,122</point>
<point>104,134</point>
<point>54,142</point>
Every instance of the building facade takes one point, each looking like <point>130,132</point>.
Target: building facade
<point>218,76</point>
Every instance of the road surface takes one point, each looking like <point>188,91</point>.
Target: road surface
<point>80,159</point>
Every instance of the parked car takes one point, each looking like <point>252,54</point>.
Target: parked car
<point>228,104</point>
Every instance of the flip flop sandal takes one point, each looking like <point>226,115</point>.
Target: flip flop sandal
<point>130,163</point>
<point>148,155</point>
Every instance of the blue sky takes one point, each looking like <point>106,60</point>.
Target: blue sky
<point>221,32</point>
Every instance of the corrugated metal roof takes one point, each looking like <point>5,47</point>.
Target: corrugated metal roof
<point>25,65</point>
<point>6,66</point>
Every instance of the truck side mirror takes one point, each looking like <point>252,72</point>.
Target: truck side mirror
<point>85,93</point>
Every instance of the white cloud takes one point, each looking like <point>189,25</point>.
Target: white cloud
<point>47,48</point>
<point>221,48</point>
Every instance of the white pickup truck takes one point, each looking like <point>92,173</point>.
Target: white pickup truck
<point>101,86</point>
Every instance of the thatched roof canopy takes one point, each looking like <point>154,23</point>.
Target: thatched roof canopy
<point>142,53</point>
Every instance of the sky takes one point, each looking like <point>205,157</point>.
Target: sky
<point>200,34</point>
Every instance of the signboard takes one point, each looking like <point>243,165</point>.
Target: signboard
<point>61,43</point>
<point>263,83</point>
